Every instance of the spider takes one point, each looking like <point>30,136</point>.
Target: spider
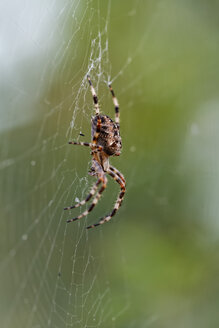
<point>106,142</point>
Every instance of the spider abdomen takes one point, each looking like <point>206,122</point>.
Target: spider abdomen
<point>109,136</point>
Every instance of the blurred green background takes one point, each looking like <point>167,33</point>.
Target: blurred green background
<point>156,264</point>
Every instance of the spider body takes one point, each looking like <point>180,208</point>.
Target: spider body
<point>106,142</point>
<point>109,135</point>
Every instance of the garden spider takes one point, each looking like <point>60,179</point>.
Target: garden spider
<point>106,141</point>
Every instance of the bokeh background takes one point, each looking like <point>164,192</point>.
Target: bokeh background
<point>156,264</point>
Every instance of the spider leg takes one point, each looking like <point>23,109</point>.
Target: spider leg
<point>95,201</point>
<point>119,200</point>
<point>93,146</point>
<point>96,134</point>
<point>95,99</point>
<point>112,168</point>
<point>116,104</point>
<point>89,196</point>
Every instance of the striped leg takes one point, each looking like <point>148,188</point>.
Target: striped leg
<point>112,168</point>
<point>96,134</point>
<point>118,201</point>
<point>96,105</point>
<point>93,146</point>
<point>89,196</point>
<point>95,201</point>
<point>116,104</point>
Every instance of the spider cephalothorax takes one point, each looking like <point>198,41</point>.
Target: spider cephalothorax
<point>106,142</point>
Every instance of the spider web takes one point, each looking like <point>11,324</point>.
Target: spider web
<point>53,274</point>
<point>58,275</point>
